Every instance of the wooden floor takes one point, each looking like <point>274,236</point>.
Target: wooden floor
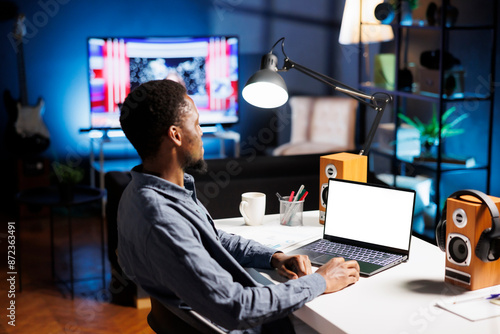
<point>44,306</point>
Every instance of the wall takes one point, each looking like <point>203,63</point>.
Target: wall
<point>495,160</point>
<point>311,34</point>
<point>55,52</point>
<point>56,56</point>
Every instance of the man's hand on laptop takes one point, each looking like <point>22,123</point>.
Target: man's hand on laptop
<point>291,266</point>
<point>339,273</point>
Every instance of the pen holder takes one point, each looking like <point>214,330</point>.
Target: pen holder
<point>291,212</point>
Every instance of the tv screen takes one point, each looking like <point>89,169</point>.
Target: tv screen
<point>206,66</point>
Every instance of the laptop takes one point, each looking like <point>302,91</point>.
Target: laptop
<point>369,223</point>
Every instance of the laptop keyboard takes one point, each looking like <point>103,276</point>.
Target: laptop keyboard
<point>352,252</point>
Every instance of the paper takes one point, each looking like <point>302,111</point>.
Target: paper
<point>473,309</point>
<point>276,237</point>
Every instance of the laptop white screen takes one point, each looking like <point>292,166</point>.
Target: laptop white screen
<point>368,213</point>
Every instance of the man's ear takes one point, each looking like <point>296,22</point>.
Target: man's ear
<point>174,134</point>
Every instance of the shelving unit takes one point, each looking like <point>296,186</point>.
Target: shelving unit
<point>473,43</point>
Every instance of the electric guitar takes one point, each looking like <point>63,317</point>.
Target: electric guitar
<point>26,131</point>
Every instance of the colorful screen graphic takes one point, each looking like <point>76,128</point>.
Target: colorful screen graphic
<point>206,66</point>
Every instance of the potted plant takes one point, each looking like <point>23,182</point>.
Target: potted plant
<point>67,177</point>
<point>412,4</point>
<point>429,133</point>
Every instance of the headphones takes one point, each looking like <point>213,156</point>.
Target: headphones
<point>488,245</point>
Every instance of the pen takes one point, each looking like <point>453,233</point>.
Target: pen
<point>290,199</point>
<point>292,209</point>
<point>304,196</point>
<point>492,296</point>
<point>299,193</point>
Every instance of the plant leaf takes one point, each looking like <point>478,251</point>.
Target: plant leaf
<point>420,125</point>
<point>452,132</point>
<point>408,120</point>
<point>430,131</point>
<point>458,120</point>
<point>448,114</point>
<point>434,125</point>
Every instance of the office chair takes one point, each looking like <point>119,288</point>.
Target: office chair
<point>172,320</point>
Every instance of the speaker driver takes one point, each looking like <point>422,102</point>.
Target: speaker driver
<point>324,194</point>
<point>458,249</point>
<point>459,218</point>
<point>331,171</point>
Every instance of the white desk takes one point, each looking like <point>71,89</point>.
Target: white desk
<point>399,300</point>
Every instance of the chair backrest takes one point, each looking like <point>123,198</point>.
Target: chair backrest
<point>334,121</point>
<point>172,320</point>
<point>301,109</point>
<point>324,120</point>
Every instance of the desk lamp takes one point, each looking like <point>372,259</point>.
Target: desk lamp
<point>361,26</point>
<point>372,31</point>
<point>267,89</point>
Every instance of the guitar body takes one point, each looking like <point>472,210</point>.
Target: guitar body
<point>26,132</point>
<point>29,120</point>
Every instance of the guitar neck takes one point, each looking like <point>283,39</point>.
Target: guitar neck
<point>21,71</point>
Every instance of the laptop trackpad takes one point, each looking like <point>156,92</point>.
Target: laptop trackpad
<point>366,269</point>
<point>322,259</point>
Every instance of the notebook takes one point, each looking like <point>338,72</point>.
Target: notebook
<point>369,223</point>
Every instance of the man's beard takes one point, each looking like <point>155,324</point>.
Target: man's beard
<point>192,165</point>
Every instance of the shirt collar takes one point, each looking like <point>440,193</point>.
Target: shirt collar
<point>162,185</point>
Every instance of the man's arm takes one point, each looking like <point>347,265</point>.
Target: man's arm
<point>337,273</point>
<point>249,253</point>
<point>291,266</point>
<point>246,252</point>
<point>196,278</point>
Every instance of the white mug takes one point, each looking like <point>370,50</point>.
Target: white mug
<point>253,207</point>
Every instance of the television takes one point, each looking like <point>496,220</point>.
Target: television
<point>207,66</point>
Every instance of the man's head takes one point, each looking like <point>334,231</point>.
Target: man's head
<point>158,110</point>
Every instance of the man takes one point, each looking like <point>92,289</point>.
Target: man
<point>167,240</point>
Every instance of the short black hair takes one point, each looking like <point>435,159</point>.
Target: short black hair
<point>149,110</point>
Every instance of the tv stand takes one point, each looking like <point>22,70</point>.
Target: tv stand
<point>218,131</point>
<point>102,136</point>
<point>99,137</point>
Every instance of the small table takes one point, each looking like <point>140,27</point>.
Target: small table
<point>222,134</point>
<point>49,196</point>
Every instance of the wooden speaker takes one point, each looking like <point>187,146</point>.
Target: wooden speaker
<point>466,219</point>
<point>344,166</point>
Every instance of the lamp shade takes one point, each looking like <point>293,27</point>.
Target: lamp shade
<point>265,89</point>
<point>372,31</point>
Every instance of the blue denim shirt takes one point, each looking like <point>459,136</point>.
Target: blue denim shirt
<point>168,244</point>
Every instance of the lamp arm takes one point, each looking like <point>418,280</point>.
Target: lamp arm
<point>373,129</point>
<point>373,101</point>
<point>289,64</point>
